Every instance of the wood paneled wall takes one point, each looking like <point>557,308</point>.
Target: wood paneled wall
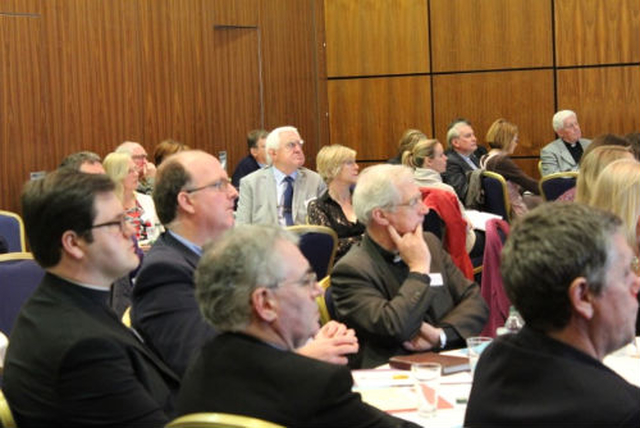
<point>89,74</point>
<point>397,64</point>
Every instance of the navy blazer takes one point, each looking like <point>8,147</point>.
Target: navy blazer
<point>164,308</point>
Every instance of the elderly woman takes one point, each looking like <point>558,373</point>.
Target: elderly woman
<point>428,161</point>
<point>337,166</point>
<point>139,207</point>
<point>502,137</point>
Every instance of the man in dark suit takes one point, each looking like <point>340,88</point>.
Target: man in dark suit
<point>71,362</point>
<point>256,159</point>
<point>194,201</point>
<point>399,290</point>
<point>258,290</point>
<point>577,309</point>
<point>463,156</point>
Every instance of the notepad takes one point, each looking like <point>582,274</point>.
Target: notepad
<point>450,363</point>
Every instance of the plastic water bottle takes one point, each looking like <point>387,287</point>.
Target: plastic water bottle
<point>514,321</point>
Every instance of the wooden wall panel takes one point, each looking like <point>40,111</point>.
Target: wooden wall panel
<point>243,13</point>
<point>235,89</point>
<point>371,114</point>
<point>290,66</point>
<point>522,97</point>
<point>606,99</point>
<point>24,134</point>
<point>376,37</point>
<point>597,31</point>
<point>496,34</point>
<point>94,75</point>
<point>172,63</point>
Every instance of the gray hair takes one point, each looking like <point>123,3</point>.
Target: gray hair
<point>273,140</point>
<point>558,119</point>
<point>244,259</point>
<point>378,187</point>
<point>454,130</point>
<point>75,160</point>
<point>547,250</point>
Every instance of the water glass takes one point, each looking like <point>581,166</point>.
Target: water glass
<point>427,383</point>
<point>475,346</point>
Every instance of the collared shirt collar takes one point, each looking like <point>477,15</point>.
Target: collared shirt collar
<point>184,241</point>
<point>280,176</point>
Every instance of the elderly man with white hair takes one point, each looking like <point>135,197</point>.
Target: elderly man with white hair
<point>146,170</point>
<point>564,154</point>
<point>279,194</point>
<point>399,290</point>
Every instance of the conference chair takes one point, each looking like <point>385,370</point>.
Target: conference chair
<point>12,230</point>
<point>554,185</point>
<point>496,195</point>
<point>219,420</point>
<point>325,304</point>
<point>318,244</point>
<point>19,277</point>
<point>540,167</point>
<point>6,417</point>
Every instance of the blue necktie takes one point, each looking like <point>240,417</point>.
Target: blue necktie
<point>288,199</point>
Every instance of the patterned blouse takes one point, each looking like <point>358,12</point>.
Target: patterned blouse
<point>327,212</point>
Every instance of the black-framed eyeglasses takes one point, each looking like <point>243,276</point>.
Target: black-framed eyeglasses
<point>219,185</point>
<point>122,223</point>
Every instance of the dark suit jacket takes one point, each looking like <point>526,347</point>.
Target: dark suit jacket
<point>164,308</point>
<point>235,373</point>
<point>457,169</point>
<point>385,312</point>
<point>246,166</point>
<point>531,380</point>
<point>71,362</point>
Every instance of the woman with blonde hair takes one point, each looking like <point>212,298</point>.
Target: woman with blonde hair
<point>410,138</point>
<point>502,137</point>
<point>337,166</point>
<point>139,208</point>
<point>428,161</point>
<point>591,166</point>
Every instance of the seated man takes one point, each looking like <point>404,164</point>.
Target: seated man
<point>88,162</point>
<point>146,170</point>
<point>463,156</point>
<point>194,200</point>
<point>577,308</point>
<point>256,159</point>
<point>399,289</point>
<point>71,362</point>
<point>257,289</point>
<point>564,154</point>
<point>280,193</point>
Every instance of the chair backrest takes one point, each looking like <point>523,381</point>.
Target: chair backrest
<point>540,168</point>
<point>219,420</point>
<point>433,223</point>
<point>323,303</point>
<point>19,277</point>
<point>6,417</point>
<point>554,185</point>
<point>496,195</point>
<point>319,245</point>
<point>12,230</point>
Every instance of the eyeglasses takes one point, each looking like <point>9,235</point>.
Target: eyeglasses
<point>219,185</point>
<point>411,203</point>
<point>290,145</point>
<point>122,223</point>
<point>309,280</point>
<point>139,157</point>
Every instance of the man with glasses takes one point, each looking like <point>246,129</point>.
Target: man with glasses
<point>71,362</point>
<point>399,290</point>
<point>146,170</point>
<point>258,290</point>
<point>194,201</point>
<point>564,153</point>
<point>279,194</point>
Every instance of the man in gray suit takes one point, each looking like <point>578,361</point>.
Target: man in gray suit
<point>279,194</point>
<point>399,289</point>
<point>564,154</point>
